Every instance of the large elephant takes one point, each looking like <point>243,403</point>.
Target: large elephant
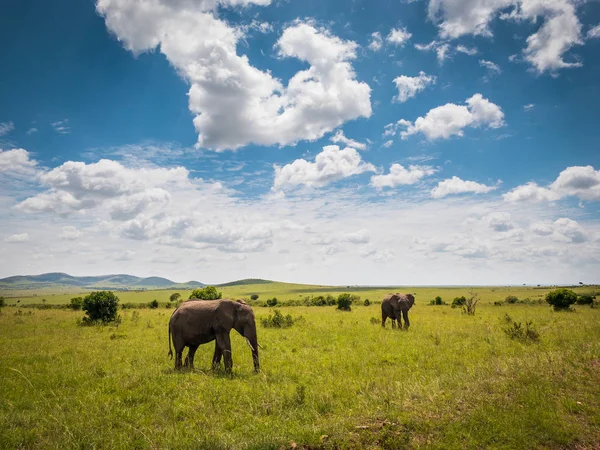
<point>197,322</point>
<point>392,305</point>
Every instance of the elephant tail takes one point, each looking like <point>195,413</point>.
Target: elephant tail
<point>170,351</point>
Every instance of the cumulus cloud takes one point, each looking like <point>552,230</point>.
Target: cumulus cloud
<point>70,233</point>
<point>339,138</point>
<point>398,36</point>
<point>582,182</point>
<point>234,103</point>
<point>17,238</point>
<point>16,161</point>
<point>6,127</point>
<point>376,41</point>
<point>499,221</point>
<point>561,230</point>
<point>451,119</point>
<point>399,175</point>
<point>75,186</point>
<point>545,49</point>
<point>330,165</point>
<point>455,185</point>
<point>408,87</point>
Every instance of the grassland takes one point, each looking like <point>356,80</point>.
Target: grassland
<point>333,380</point>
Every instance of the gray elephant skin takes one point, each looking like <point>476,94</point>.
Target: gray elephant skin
<point>394,304</point>
<point>198,322</point>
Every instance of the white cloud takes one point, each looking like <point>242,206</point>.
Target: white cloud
<point>499,221</point>
<point>561,230</point>
<point>545,48</point>
<point>339,137</point>
<point>528,107</point>
<point>492,68</point>
<point>466,50</point>
<point>70,233</point>
<point>376,41</point>
<point>61,126</point>
<point>594,33</point>
<point>442,49</point>
<point>234,103</point>
<point>17,238</point>
<point>6,127</point>
<point>455,185</point>
<point>32,130</point>
<point>16,161</point>
<point>388,144</point>
<point>330,165</point>
<point>582,182</point>
<point>451,119</point>
<point>408,87</point>
<point>399,175</point>
<point>399,36</point>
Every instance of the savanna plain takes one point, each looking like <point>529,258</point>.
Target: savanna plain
<point>335,379</point>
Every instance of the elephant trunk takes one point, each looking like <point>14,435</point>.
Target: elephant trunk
<point>253,341</point>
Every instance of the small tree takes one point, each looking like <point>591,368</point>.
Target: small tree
<point>2,302</point>
<point>153,304</point>
<point>561,299</point>
<point>206,293</point>
<point>174,297</point>
<point>439,301</point>
<point>366,302</point>
<point>344,302</point>
<point>76,303</point>
<point>459,301</point>
<point>471,303</point>
<point>272,301</point>
<point>100,306</point>
<point>585,299</point>
<point>511,299</point>
<point>254,297</point>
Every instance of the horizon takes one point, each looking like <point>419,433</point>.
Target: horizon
<point>437,141</point>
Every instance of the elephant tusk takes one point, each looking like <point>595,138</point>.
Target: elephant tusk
<point>249,344</point>
<point>259,346</point>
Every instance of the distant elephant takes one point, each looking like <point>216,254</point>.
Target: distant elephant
<point>392,305</point>
<point>197,322</point>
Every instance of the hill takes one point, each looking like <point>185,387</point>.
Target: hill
<point>246,281</point>
<point>117,282</point>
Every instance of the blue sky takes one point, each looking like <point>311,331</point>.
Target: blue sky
<point>423,142</point>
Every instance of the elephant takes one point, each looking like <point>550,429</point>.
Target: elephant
<point>197,322</point>
<point>392,305</point>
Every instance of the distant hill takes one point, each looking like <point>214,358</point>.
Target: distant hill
<point>246,281</point>
<point>119,281</point>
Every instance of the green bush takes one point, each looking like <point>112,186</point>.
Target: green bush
<point>254,297</point>
<point>76,303</point>
<point>344,301</point>
<point>511,299</point>
<point>585,299</point>
<point>153,304</point>
<point>515,330</point>
<point>561,299</point>
<point>100,306</point>
<point>2,302</point>
<point>278,320</point>
<point>272,301</point>
<point>206,293</point>
<point>459,302</point>
<point>366,302</point>
<point>174,297</point>
<point>437,301</point>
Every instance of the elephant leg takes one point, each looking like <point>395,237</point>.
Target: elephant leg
<point>397,313</point>
<point>178,355</point>
<point>383,319</point>
<point>216,361</point>
<point>179,345</point>
<point>406,321</point>
<point>189,360</point>
<point>224,345</point>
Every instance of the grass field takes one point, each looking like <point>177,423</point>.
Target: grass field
<point>333,380</point>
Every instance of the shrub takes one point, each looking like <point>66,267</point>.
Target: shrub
<point>459,302</point>
<point>437,301</point>
<point>511,299</point>
<point>561,299</point>
<point>254,297</point>
<point>168,305</point>
<point>100,306</point>
<point>206,293</point>
<point>585,299</point>
<point>2,302</point>
<point>374,321</point>
<point>498,303</point>
<point>344,302</point>
<point>272,301</point>
<point>278,320</point>
<point>174,297</point>
<point>366,302</point>
<point>153,304</point>
<point>515,330</point>
<point>76,303</point>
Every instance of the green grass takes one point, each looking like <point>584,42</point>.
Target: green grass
<point>333,380</point>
